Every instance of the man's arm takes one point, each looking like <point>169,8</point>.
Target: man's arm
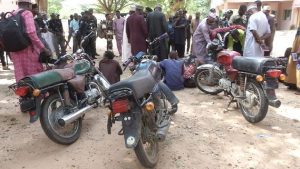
<point>256,36</point>
<point>71,26</point>
<point>231,20</point>
<point>119,69</point>
<point>164,23</point>
<point>265,36</point>
<point>183,25</point>
<point>115,26</point>
<point>144,26</point>
<point>205,32</point>
<point>127,30</point>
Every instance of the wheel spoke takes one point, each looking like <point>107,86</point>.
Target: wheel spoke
<point>55,112</point>
<point>256,98</point>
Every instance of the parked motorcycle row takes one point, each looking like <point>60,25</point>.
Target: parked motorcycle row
<point>60,97</point>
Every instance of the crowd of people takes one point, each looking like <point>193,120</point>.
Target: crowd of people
<point>251,30</point>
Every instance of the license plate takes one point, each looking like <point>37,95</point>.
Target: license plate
<point>271,83</point>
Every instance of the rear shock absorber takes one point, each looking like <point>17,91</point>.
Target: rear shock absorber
<point>242,80</point>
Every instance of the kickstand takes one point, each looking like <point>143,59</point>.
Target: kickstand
<point>232,100</point>
<point>121,132</point>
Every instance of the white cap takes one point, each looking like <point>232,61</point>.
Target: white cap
<point>212,15</point>
<point>251,6</point>
<point>267,8</point>
<point>132,8</point>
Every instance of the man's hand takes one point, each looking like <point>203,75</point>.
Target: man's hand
<point>47,52</point>
<point>256,37</point>
<point>259,40</point>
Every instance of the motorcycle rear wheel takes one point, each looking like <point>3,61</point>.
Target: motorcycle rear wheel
<point>260,101</point>
<point>52,110</point>
<point>147,157</point>
<point>202,83</point>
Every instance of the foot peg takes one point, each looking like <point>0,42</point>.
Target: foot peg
<point>173,109</point>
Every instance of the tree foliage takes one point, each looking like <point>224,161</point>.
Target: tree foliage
<point>169,6</point>
<point>202,6</point>
<point>109,6</point>
<point>54,6</point>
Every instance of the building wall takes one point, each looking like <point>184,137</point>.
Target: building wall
<point>284,24</point>
<point>278,6</point>
<point>9,5</point>
<point>43,5</point>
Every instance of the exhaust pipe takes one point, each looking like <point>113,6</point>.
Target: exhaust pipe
<point>162,131</point>
<point>67,119</point>
<point>275,103</point>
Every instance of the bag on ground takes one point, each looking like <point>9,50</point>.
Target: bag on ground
<point>189,69</point>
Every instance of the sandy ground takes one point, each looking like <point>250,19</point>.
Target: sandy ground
<point>201,136</point>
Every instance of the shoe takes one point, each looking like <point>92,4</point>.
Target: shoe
<point>173,109</point>
<point>6,68</point>
<point>97,54</point>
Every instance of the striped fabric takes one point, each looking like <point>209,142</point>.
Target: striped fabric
<point>26,62</point>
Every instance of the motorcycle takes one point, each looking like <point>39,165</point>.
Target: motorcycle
<point>61,97</point>
<point>141,106</point>
<point>249,81</point>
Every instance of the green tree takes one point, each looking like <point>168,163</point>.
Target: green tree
<point>202,6</point>
<point>54,6</point>
<point>170,6</point>
<point>109,6</point>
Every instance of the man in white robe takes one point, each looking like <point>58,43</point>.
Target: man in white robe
<point>258,30</point>
<point>126,47</point>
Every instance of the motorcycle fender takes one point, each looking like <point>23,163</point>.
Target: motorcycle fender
<point>131,123</point>
<point>38,109</point>
<point>271,95</point>
<point>208,66</point>
<point>213,68</point>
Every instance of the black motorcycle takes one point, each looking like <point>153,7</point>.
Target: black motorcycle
<point>142,107</point>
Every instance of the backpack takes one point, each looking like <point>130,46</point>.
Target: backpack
<point>12,33</point>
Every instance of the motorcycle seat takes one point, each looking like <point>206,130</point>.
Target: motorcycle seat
<point>48,78</point>
<point>141,83</point>
<point>255,65</point>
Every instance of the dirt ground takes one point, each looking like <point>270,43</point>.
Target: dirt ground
<point>201,136</point>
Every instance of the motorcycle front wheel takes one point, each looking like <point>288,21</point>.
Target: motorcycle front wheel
<point>147,149</point>
<point>205,85</point>
<point>52,111</point>
<point>255,106</point>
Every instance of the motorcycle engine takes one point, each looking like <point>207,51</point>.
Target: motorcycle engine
<point>228,86</point>
<point>92,95</point>
<point>225,84</point>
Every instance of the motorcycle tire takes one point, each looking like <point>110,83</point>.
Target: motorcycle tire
<point>263,101</point>
<point>50,124</point>
<point>203,87</point>
<point>142,154</point>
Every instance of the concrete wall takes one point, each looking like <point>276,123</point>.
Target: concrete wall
<point>278,6</point>
<point>9,5</point>
<point>284,24</point>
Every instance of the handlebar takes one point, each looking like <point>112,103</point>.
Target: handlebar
<point>140,55</point>
<point>85,38</point>
<point>61,59</point>
<point>127,62</point>
<point>161,37</point>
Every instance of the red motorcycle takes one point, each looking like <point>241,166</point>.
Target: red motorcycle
<point>249,81</point>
